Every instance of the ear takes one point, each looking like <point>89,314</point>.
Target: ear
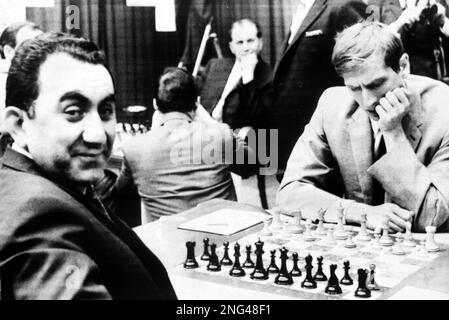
<point>404,65</point>
<point>231,47</point>
<point>13,122</point>
<point>9,52</point>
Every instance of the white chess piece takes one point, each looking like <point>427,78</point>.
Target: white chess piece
<point>276,225</point>
<point>363,234</point>
<point>385,240</point>
<point>431,245</point>
<point>297,227</point>
<point>349,243</point>
<point>321,230</point>
<point>408,237</point>
<point>266,232</point>
<point>308,236</point>
<point>375,243</point>
<point>397,249</point>
<point>340,232</point>
<point>330,237</point>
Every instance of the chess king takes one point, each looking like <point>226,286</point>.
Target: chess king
<point>378,146</point>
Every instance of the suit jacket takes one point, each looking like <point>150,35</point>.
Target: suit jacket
<point>246,105</point>
<point>334,157</point>
<point>305,70</point>
<point>420,40</point>
<point>56,243</point>
<point>171,165</point>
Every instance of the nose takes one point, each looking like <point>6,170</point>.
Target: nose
<point>94,130</point>
<point>368,98</point>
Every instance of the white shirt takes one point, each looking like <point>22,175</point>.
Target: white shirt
<point>301,13</point>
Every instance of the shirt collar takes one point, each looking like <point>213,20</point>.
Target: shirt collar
<point>165,117</point>
<point>21,150</point>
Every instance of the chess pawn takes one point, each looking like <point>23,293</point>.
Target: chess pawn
<point>397,249</point>
<point>308,236</point>
<point>385,240</point>
<point>297,227</point>
<point>226,261</point>
<point>346,280</point>
<point>408,238</point>
<point>190,262</point>
<point>296,272</point>
<point>266,232</point>
<point>206,254</point>
<point>362,291</point>
<point>259,272</point>
<point>363,234</point>
<point>319,275</point>
<point>284,277</point>
<point>248,264</point>
<point>321,230</point>
<point>273,268</point>
<point>371,283</point>
<point>375,243</point>
<point>276,224</point>
<point>214,264</point>
<point>349,243</point>
<point>333,286</point>
<point>330,237</point>
<point>237,270</point>
<point>431,245</point>
<point>309,282</point>
<point>340,232</point>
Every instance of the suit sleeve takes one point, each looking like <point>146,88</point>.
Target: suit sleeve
<point>312,179</point>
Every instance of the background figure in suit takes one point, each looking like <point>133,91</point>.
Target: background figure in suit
<point>57,239</point>
<point>304,69</point>
<point>424,29</point>
<point>380,145</point>
<point>185,159</point>
<point>237,91</point>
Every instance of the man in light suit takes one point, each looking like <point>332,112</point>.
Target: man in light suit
<point>237,91</point>
<point>380,145</point>
<point>57,240</point>
<point>304,69</point>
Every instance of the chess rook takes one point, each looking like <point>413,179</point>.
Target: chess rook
<point>190,262</point>
<point>214,264</point>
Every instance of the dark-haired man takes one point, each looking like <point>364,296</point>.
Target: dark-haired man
<point>186,158</point>
<point>378,146</point>
<point>57,241</point>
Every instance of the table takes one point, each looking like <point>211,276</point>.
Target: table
<point>168,242</point>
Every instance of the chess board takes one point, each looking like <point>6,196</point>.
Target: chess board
<point>390,271</point>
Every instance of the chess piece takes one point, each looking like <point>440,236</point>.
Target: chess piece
<point>190,262</point>
<point>333,287</point>
<point>206,254</point>
<point>319,275</point>
<point>371,283</point>
<point>276,224</point>
<point>349,243</point>
<point>421,249</point>
<point>375,243</point>
<point>308,236</point>
<point>408,237</point>
<point>237,270</point>
<point>214,264</point>
<point>363,234</point>
<point>385,240</point>
<point>397,248</point>
<point>296,272</point>
<point>284,277</point>
<point>248,264</point>
<point>259,272</point>
<point>321,230</point>
<point>226,261</point>
<point>330,237</point>
<point>296,227</point>
<point>309,282</point>
<point>431,245</point>
<point>346,280</point>
<point>340,232</point>
<point>273,268</point>
<point>362,291</point>
<point>266,232</point>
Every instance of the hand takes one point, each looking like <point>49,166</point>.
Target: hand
<point>440,16</point>
<point>392,109</point>
<point>398,218</point>
<point>248,63</point>
<point>410,15</point>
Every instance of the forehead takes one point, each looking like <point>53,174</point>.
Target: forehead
<point>62,73</point>
<point>244,30</point>
<point>373,68</point>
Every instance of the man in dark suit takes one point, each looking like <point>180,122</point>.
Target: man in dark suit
<point>57,241</point>
<point>304,70</point>
<point>236,91</point>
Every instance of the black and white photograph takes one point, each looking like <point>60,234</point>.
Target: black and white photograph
<point>223,155</point>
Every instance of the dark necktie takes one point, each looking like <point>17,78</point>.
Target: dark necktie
<point>378,191</point>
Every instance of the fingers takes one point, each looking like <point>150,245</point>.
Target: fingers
<point>421,5</point>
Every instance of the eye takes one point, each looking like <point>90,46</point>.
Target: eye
<point>74,113</point>
<point>106,111</point>
<point>354,89</point>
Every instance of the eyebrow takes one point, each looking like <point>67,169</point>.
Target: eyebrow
<point>76,95</point>
<point>376,82</point>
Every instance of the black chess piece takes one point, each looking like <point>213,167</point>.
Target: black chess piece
<point>362,291</point>
<point>190,261</point>
<point>346,280</point>
<point>248,264</point>
<point>284,277</point>
<point>226,261</point>
<point>259,272</point>
<point>237,270</point>
<point>214,264</point>
<point>296,272</point>
<point>319,275</point>
<point>333,287</point>
<point>206,254</point>
<point>273,268</point>
<point>309,282</point>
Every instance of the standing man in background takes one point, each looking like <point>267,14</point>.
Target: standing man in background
<point>305,70</point>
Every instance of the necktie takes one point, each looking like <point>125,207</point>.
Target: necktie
<point>378,191</point>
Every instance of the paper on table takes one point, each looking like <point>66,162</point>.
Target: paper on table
<point>225,221</point>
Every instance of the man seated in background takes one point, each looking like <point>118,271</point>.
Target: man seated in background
<point>10,39</point>
<point>184,160</point>
<point>57,240</point>
<point>378,146</point>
